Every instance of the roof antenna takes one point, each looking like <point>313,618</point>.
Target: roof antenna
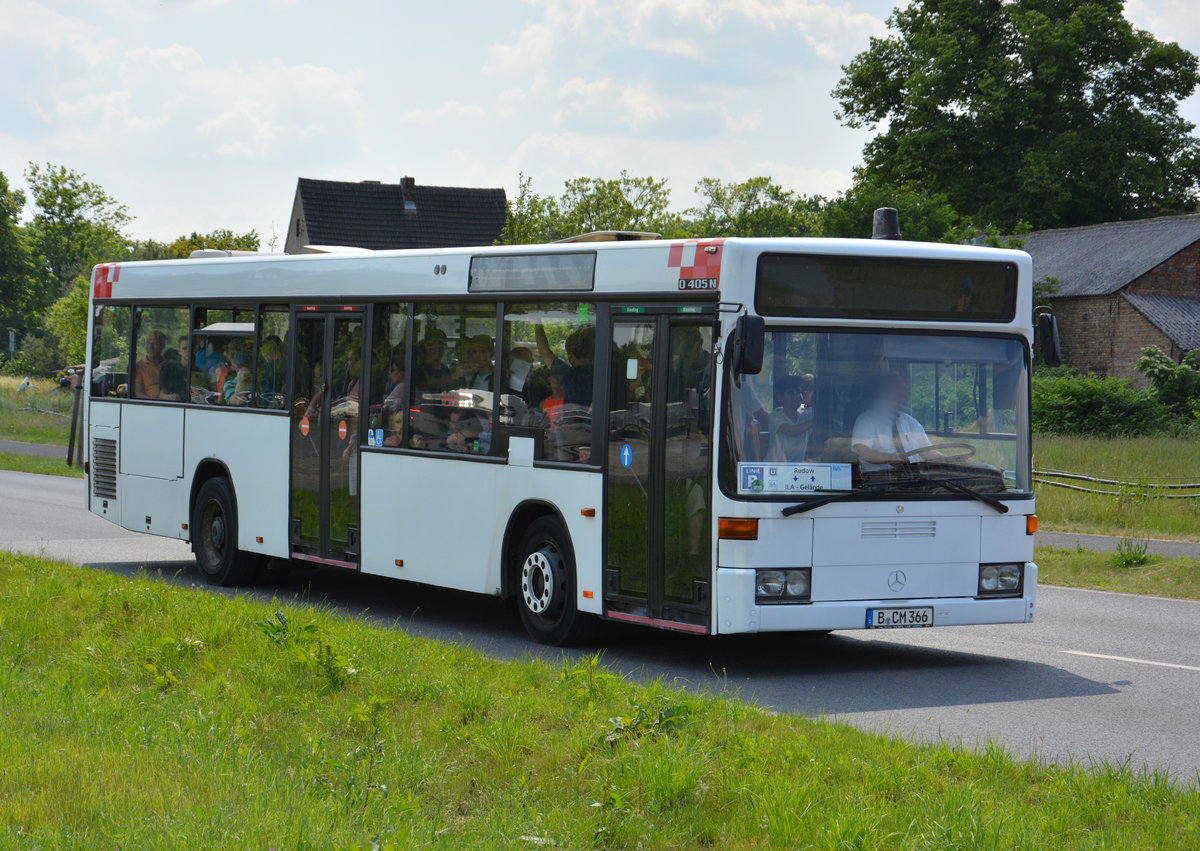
<point>886,224</point>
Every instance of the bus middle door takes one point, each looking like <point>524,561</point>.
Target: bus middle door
<point>660,469</point>
<point>326,390</point>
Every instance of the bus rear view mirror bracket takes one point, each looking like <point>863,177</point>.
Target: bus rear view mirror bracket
<point>749,343</point>
<point>1049,342</point>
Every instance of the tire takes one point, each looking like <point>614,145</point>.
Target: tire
<point>544,578</point>
<point>215,535</point>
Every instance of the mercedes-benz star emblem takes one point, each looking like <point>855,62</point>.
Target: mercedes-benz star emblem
<point>896,580</point>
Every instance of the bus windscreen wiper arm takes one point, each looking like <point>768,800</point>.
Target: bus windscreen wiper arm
<point>948,484</point>
<point>802,507</point>
<point>987,500</point>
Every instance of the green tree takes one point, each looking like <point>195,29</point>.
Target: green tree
<point>75,225</point>
<point>592,204</point>
<point>66,323</point>
<point>528,221</point>
<point>182,247</point>
<point>16,267</point>
<point>755,207</point>
<point>1056,112</point>
<point>924,216</point>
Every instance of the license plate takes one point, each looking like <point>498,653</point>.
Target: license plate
<point>899,618</point>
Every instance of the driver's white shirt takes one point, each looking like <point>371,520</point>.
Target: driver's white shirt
<point>873,429</point>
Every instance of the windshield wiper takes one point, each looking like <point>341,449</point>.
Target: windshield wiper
<point>948,484</point>
<point>802,507</point>
<point>951,485</point>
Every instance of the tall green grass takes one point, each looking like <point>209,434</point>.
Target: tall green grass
<point>1135,459</point>
<point>40,414</point>
<point>143,715</point>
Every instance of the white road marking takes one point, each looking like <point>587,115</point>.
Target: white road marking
<point>1138,661</point>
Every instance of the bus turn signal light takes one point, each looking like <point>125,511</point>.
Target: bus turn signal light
<point>1030,524</point>
<point>738,528</point>
<point>587,512</point>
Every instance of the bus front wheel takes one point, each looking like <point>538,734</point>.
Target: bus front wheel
<point>215,536</point>
<point>545,584</point>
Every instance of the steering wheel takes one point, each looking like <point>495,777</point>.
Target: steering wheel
<point>966,451</point>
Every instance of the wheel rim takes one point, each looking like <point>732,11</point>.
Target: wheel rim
<point>212,534</point>
<point>541,581</point>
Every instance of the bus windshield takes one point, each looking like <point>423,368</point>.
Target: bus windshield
<point>887,413</point>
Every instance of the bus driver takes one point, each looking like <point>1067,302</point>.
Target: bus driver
<point>884,435</point>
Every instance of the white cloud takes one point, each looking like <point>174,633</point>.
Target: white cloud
<point>451,109</point>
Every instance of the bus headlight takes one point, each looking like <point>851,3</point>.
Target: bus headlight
<point>1001,580</point>
<point>783,586</point>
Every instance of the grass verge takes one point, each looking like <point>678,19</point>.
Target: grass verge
<point>143,715</point>
<point>33,464</point>
<point>1131,459</point>
<point>1079,568</point>
<point>39,414</point>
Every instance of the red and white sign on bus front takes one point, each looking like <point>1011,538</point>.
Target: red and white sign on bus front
<point>698,262</point>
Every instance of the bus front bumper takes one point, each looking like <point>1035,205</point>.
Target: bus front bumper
<point>738,612</point>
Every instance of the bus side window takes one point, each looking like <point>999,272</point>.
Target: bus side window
<point>271,369</point>
<point>548,371</point>
<point>453,377</point>
<point>389,376</point>
<point>159,371</point>
<point>222,367</point>
<point>110,351</point>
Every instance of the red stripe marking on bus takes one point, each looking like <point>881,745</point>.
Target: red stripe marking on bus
<point>332,562</point>
<point>675,625</point>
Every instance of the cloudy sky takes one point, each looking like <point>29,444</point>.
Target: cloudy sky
<point>201,114</point>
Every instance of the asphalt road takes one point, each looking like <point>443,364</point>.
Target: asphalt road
<point>1097,677</point>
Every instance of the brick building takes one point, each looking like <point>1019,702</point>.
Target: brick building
<point>380,216</point>
<point>1123,286</point>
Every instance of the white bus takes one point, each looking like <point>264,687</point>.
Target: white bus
<point>713,436</point>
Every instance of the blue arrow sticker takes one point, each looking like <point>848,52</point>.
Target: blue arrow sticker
<point>626,455</point>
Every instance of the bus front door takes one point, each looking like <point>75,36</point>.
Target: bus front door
<point>326,381</point>
<point>659,471</point>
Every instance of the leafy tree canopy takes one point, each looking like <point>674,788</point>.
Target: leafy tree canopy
<point>76,224</point>
<point>182,247</point>
<point>16,267</point>
<point>756,207</point>
<point>1055,112</point>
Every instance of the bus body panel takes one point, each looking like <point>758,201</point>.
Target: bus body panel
<point>445,519</point>
<point>254,449</point>
<point>152,441</point>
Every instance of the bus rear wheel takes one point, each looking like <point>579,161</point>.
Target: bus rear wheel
<point>545,583</point>
<point>215,536</point>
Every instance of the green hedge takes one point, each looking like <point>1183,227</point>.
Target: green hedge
<point>1067,403</point>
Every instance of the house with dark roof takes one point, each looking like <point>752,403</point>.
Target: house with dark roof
<point>1122,286</point>
<point>378,216</point>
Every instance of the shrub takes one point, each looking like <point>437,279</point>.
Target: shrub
<point>1101,407</point>
<point>1176,385</point>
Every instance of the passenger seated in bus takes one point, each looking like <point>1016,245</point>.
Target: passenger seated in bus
<point>475,371</point>
<point>791,422</point>
<point>467,432</point>
<point>577,373</point>
<point>173,377</point>
<point>429,369</point>
<point>236,389</point>
<point>146,369</point>
<point>396,397</point>
<point>271,369</point>
<point>884,435</point>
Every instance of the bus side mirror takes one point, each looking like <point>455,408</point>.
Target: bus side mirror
<point>749,342</point>
<point>1049,343</point>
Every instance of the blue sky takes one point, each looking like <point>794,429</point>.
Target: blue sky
<point>201,114</point>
